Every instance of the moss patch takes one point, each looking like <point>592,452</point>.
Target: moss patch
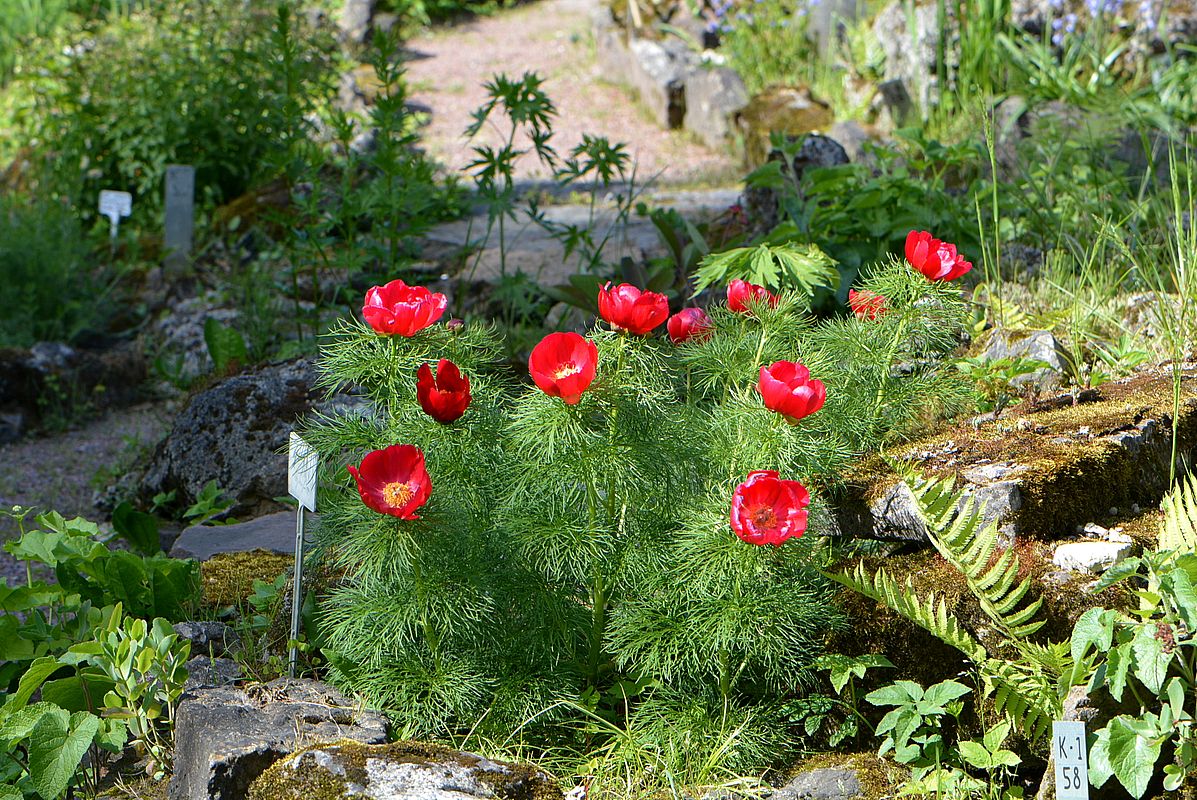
<point>297,778</point>
<point>228,578</point>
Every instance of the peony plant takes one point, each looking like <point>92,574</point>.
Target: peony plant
<point>634,524</point>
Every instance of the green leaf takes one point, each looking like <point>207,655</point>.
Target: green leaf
<point>976,755</point>
<point>1132,756</point>
<point>137,528</point>
<point>56,746</point>
<point>18,725</point>
<point>1095,627</point>
<point>10,793</point>
<point>1151,662</point>
<point>1100,769</point>
<point>1118,664</point>
<point>225,345</point>
<point>31,681</point>
<point>81,692</point>
<point>13,645</point>
<point>896,694</point>
<point>1185,596</point>
<point>942,693</point>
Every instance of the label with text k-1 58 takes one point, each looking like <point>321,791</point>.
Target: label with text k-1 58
<point>1072,761</point>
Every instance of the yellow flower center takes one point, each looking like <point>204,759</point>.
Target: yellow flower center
<point>396,495</point>
<point>566,369</point>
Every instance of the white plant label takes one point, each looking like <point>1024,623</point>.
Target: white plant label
<point>302,461</point>
<point>115,205</point>
<point>1072,761</point>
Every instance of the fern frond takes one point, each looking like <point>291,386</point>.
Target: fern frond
<point>956,529</point>
<point>1178,531</point>
<point>930,613</point>
<point>1029,697</point>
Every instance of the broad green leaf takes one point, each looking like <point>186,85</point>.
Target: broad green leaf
<point>994,737</point>
<point>1132,756</point>
<point>1119,661</point>
<point>942,693</point>
<point>1185,596</point>
<point>10,793</point>
<point>976,755</point>
<point>56,746</point>
<point>1151,662</point>
<point>1100,769</point>
<point>138,528</point>
<point>31,681</point>
<point>1095,627</point>
<point>19,724</point>
<point>82,692</point>
<point>38,546</point>
<point>13,646</point>
<point>896,694</point>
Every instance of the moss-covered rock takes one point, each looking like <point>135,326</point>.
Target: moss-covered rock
<point>411,770</point>
<point>1044,469</point>
<point>228,578</point>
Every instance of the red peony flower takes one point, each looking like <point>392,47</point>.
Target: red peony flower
<point>740,293</point>
<point>937,260</point>
<point>563,365</point>
<point>629,309</point>
<point>393,480</point>
<point>446,397</point>
<point>787,388</point>
<point>767,510</point>
<point>401,309</point>
<point>689,323</point>
<point>866,305</point>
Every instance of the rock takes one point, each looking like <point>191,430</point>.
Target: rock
<point>175,340</point>
<point>226,737</point>
<point>852,136</point>
<point>272,532</point>
<point>782,109</point>
<point>836,783</point>
<point>1092,557</point>
<point>1034,345</point>
<point>714,99</point>
<point>208,636</point>
<point>893,104</point>
<point>354,22</point>
<point>235,433</point>
<point>658,75</point>
<point>827,21</point>
<point>762,204</point>
<point>911,55</point>
<point>205,672</point>
<point>53,378</point>
<point>1079,707</point>
<point>400,771</point>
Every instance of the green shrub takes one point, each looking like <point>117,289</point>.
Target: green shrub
<point>198,82</point>
<point>50,288</point>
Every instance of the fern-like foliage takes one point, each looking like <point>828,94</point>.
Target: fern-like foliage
<point>1178,531</point>
<point>1026,687</point>
<point>956,529</point>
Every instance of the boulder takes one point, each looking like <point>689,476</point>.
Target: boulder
<point>208,636</point>
<point>354,22</point>
<point>399,771</point>
<point>235,433</point>
<point>272,532</point>
<point>714,99</point>
<point>832,783</point>
<point>175,339</point>
<point>226,737</point>
<point>657,73</point>
<point>780,109</point>
<point>1032,345</point>
<point>205,672</point>
<point>762,204</point>
<point>53,378</point>
<point>911,50</point>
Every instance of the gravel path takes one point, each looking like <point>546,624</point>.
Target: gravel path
<point>62,472</point>
<point>552,38</point>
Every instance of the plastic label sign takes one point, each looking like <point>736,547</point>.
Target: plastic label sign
<point>302,461</point>
<point>115,205</point>
<point>1072,762</point>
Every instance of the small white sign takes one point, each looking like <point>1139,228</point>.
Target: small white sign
<point>302,461</point>
<point>1072,760</point>
<point>115,205</point>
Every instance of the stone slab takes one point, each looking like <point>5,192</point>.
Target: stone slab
<point>273,532</point>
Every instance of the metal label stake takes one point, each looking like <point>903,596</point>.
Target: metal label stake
<point>302,461</point>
